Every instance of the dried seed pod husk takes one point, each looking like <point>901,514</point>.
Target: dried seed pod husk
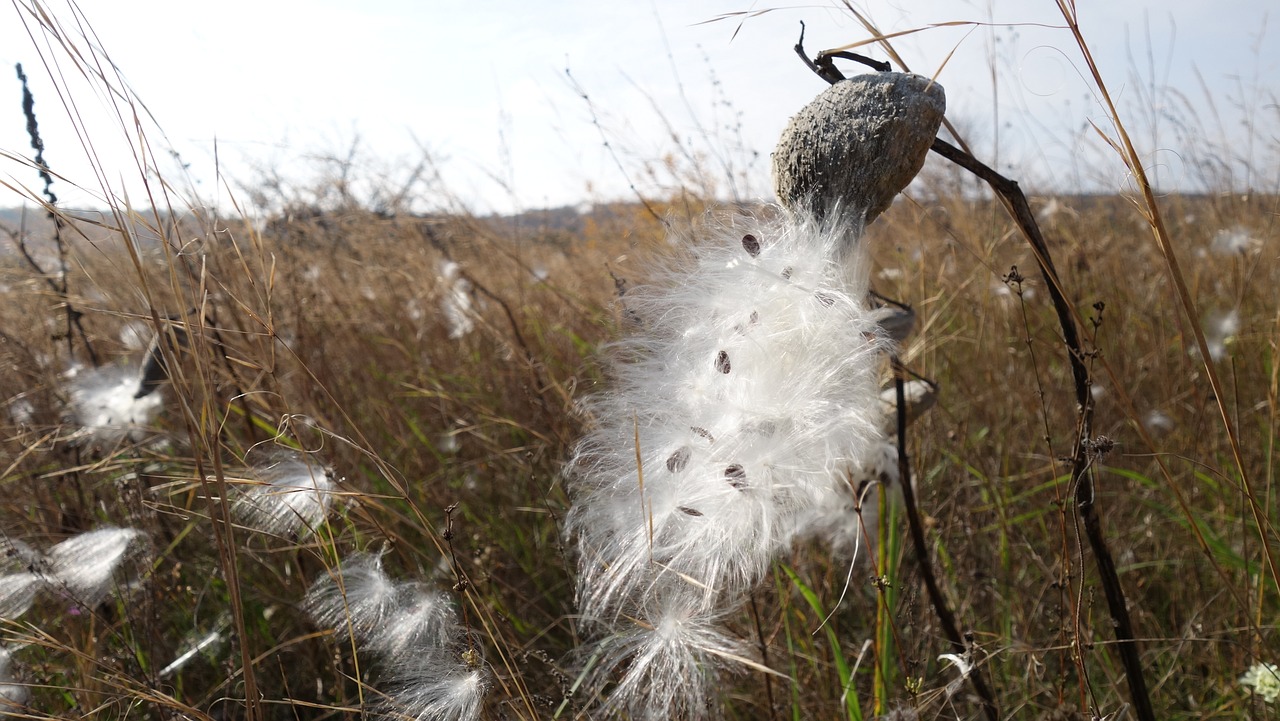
<point>919,396</point>
<point>857,145</point>
<point>896,321</point>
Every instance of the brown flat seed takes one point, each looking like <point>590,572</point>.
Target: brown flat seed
<point>751,244</point>
<point>677,461</point>
<point>736,475</point>
<point>690,511</point>
<point>722,362</point>
<point>743,327</point>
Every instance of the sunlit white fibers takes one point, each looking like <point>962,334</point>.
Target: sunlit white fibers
<point>748,389</point>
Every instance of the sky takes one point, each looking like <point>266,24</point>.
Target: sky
<point>509,105</point>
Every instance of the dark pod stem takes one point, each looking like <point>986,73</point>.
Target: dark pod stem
<point>921,550</point>
<point>844,158</point>
<point>1015,203</point>
<point>1081,479</point>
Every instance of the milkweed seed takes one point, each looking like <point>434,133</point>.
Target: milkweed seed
<point>722,362</point>
<point>704,433</point>
<point>678,460</point>
<point>736,475</point>
<point>690,511</point>
<point>751,244</point>
<point>743,327</point>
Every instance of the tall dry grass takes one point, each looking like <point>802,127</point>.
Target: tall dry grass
<point>333,330</point>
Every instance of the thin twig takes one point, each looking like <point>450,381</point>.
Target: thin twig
<point>604,139</point>
<point>764,657</point>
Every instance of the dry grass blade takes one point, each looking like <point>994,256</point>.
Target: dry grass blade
<point>1151,211</point>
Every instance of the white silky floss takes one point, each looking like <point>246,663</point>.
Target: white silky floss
<point>752,385</point>
<point>746,395</point>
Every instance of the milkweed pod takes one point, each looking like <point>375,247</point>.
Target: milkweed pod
<point>858,144</point>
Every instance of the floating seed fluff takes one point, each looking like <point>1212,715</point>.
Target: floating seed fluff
<point>749,385</point>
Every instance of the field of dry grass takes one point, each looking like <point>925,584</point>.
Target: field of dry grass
<point>332,337</point>
<point>433,367</point>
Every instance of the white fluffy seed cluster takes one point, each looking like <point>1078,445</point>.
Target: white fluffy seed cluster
<point>750,386</point>
<point>82,569</point>
<point>106,408</point>
<point>432,671</point>
<point>288,494</point>
<point>744,400</point>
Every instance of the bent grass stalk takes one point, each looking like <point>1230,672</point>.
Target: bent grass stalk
<point>849,692</point>
<point>1125,149</point>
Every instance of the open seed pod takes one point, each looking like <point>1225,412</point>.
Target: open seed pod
<point>857,144</point>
